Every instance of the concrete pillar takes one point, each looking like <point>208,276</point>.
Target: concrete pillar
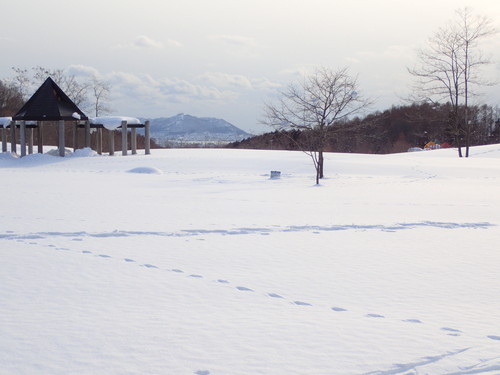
<point>133,140</point>
<point>13,144</point>
<point>111,142</point>
<point>124,138</point>
<point>22,137</point>
<point>61,144</point>
<point>99,141</point>
<point>40,137</point>
<point>30,140</point>
<point>4,139</point>
<point>75,136</point>
<point>87,133</point>
<point>147,138</point>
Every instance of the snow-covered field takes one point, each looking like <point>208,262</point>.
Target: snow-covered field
<point>196,262</point>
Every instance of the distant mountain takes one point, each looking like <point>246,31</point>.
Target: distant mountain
<point>184,128</point>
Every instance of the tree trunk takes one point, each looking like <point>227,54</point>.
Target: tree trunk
<point>320,164</point>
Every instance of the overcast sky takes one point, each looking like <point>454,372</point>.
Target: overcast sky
<point>225,58</point>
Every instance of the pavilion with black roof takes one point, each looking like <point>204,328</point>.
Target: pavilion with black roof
<point>50,103</point>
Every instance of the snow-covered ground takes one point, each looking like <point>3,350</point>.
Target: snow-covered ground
<point>196,262</point>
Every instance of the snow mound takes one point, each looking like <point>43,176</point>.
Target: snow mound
<point>8,156</point>
<point>84,152</point>
<point>55,152</point>
<point>146,170</point>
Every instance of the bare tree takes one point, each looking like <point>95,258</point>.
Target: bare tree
<point>449,69</point>
<point>11,99</point>
<point>76,89</point>
<point>313,106</point>
<point>100,95</point>
<point>28,81</point>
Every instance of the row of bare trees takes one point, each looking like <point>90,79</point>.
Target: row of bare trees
<point>448,72</point>
<point>91,94</point>
<point>449,69</point>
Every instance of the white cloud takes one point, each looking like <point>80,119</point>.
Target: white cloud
<point>163,91</point>
<point>234,81</point>
<point>238,40</point>
<point>299,71</point>
<point>82,70</point>
<point>146,42</point>
<point>143,41</point>
<point>174,43</point>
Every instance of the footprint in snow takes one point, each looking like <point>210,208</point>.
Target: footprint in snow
<point>104,256</point>
<point>274,295</point>
<point>86,252</point>
<point>374,316</point>
<point>338,309</point>
<point>300,303</point>
<point>412,321</point>
<point>453,331</point>
<point>149,266</point>
<point>494,337</point>
<point>196,276</point>
<point>244,289</point>
<point>128,260</point>
<point>202,372</point>
<point>223,281</point>
<point>177,270</point>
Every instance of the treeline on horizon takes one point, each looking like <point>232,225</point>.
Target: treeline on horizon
<point>394,130</point>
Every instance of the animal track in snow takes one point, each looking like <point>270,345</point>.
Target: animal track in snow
<point>374,316</point>
<point>274,295</point>
<point>412,321</point>
<point>244,289</point>
<point>450,331</point>
<point>338,309</point>
<point>453,331</point>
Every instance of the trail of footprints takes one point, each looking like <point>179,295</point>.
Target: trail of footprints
<point>448,330</point>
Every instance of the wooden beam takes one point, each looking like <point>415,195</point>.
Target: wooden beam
<point>61,145</point>
<point>124,138</point>
<point>22,137</point>
<point>147,136</point>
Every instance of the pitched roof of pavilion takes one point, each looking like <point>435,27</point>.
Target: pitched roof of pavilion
<point>49,103</point>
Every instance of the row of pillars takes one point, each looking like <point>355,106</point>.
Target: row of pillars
<point>26,138</point>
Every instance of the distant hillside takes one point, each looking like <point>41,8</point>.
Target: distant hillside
<point>184,128</point>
